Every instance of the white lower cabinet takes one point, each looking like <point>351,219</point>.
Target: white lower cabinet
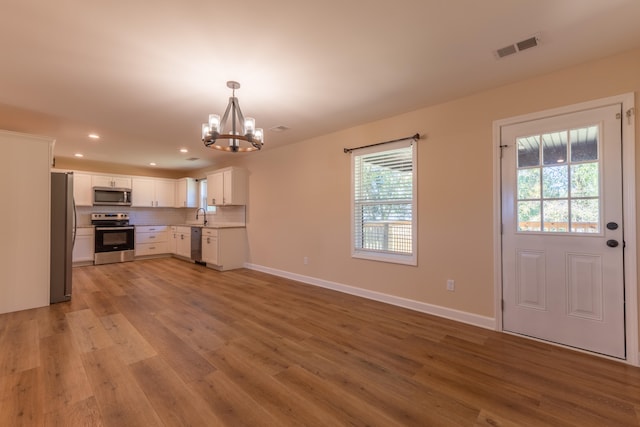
<point>224,248</point>
<point>152,240</point>
<point>183,242</point>
<point>83,247</point>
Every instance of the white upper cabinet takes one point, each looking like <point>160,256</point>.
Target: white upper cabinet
<point>82,189</point>
<point>165,192</point>
<point>153,192</point>
<point>227,187</point>
<point>186,193</point>
<point>111,181</point>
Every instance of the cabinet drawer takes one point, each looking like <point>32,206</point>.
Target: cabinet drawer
<point>150,228</point>
<point>212,232</point>
<point>150,238</point>
<point>157,248</point>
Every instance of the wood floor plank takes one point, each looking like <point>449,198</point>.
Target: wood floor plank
<point>336,402</point>
<point>175,403</point>
<point>130,345</point>
<point>230,403</point>
<point>191,330</point>
<point>99,303</point>
<point>87,330</point>
<point>188,363</point>
<point>84,413</point>
<point>419,407</point>
<point>288,408</point>
<point>22,339</point>
<point>21,399</point>
<point>64,377</point>
<point>52,320</point>
<point>119,397</point>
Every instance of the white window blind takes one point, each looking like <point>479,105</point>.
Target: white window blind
<point>384,202</point>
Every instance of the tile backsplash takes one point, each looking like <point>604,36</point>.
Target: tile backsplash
<point>164,216</point>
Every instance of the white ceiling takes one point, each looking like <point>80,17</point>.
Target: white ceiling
<point>145,74</point>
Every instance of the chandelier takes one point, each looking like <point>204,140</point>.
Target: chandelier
<point>243,129</point>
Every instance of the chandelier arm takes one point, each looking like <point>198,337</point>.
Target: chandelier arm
<point>240,117</point>
<point>226,115</point>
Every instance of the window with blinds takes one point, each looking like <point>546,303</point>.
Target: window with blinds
<point>384,202</point>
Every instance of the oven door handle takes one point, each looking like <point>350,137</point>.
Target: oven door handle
<point>113,228</point>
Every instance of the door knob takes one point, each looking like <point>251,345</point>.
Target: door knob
<point>612,225</point>
<point>612,243</point>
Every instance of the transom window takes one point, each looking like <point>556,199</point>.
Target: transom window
<point>559,182</point>
<point>384,203</point>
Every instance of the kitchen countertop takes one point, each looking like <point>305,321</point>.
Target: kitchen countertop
<point>214,225</point>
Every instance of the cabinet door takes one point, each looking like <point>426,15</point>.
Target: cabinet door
<point>165,193</point>
<point>83,248</point>
<point>82,189</point>
<point>121,182</point>
<point>101,181</point>
<point>215,189</point>
<point>142,192</point>
<point>184,245</point>
<point>210,249</point>
<point>173,240</point>
<point>186,193</point>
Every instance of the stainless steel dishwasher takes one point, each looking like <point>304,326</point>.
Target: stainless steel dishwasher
<point>196,244</point>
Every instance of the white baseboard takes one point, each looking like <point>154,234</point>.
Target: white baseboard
<point>447,313</point>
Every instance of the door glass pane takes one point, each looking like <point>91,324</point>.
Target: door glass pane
<point>556,215</point>
<point>528,151</point>
<point>558,182</point>
<point>554,147</point>
<point>529,183</point>
<point>585,180</point>
<point>555,182</point>
<point>584,144</point>
<point>529,216</point>
<point>585,216</point>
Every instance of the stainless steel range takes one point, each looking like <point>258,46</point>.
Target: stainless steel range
<point>114,238</point>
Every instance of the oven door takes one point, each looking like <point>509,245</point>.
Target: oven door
<point>113,239</point>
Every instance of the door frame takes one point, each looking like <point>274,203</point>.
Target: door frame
<point>628,206</point>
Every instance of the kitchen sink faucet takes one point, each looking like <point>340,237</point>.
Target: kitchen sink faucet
<point>204,211</point>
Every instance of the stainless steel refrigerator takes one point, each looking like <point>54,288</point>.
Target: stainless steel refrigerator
<point>63,224</point>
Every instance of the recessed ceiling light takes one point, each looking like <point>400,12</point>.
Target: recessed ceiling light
<point>94,136</point>
<point>184,150</point>
<point>79,155</point>
<point>152,164</point>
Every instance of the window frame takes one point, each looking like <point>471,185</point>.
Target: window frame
<point>374,255</point>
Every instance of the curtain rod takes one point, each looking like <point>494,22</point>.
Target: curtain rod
<point>414,137</point>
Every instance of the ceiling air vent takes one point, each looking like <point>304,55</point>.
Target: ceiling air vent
<point>518,47</point>
<point>280,128</point>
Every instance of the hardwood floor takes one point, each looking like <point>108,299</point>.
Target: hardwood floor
<point>167,343</point>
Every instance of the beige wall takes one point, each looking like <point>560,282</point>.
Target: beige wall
<point>300,195</point>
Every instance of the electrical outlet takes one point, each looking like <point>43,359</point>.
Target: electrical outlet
<point>451,285</point>
<point>305,260</point>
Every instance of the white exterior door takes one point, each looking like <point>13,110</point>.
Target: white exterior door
<point>562,236</point>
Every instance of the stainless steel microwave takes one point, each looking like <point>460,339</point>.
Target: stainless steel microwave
<point>109,196</point>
